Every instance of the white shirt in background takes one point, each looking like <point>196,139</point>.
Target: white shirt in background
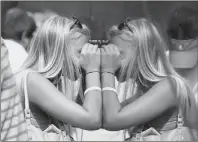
<point>17,54</point>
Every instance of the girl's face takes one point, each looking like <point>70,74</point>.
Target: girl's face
<point>76,44</point>
<point>77,40</point>
<point>126,44</point>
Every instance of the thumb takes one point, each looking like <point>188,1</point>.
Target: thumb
<point>102,51</point>
<point>98,51</point>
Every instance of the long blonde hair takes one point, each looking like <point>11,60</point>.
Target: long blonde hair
<point>149,64</point>
<point>50,52</point>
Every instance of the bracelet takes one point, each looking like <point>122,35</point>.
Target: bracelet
<point>92,89</point>
<point>109,89</point>
<point>108,72</point>
<point>92,72</point>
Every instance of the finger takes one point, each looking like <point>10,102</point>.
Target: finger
<point>114,50</point>
<point>103,47</point>
<point>113,47</point>
<point>107,49</point>
<point>102,50</point>
<point>95,48</point>
<point>117,51</point>
<point>110,48</point>
<point>98,51</point>
<point>90,48</point>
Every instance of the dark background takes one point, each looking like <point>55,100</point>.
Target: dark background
<point>100,15</point>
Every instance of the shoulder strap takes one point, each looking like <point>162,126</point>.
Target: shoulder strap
<point>25,89</point>
<point>27,108</point>
<point>24,81</point>
<point>180,121</point>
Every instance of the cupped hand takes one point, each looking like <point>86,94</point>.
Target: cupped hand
<point>110,58</point>
<point>90,58</point>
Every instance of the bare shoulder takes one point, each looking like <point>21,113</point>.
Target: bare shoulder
<point>38,81</point>
<point>164,90</point>
<point>35,77</point>
<point>40,88</point>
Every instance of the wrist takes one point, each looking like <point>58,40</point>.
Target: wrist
<point>92,70</point>
<point>108,80</point>
<point>108,71</point>
<point>92,79</point>
<point>93,88</point>
<point>109,89</point>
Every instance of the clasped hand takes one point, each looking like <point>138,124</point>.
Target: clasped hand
<point>105,59</point>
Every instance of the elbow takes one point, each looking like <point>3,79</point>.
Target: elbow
<point>95,123</point>
<point>110,123</point>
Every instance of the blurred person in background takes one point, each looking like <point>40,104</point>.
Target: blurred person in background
<point>183,54</point>
<point>18,31</point>
<point>5,5</point>
<point>13,126</point>
<point>40,17</point>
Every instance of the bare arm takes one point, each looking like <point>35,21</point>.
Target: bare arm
<point>158,99</point>
<point>45,95</point>
<point>131,99</point>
